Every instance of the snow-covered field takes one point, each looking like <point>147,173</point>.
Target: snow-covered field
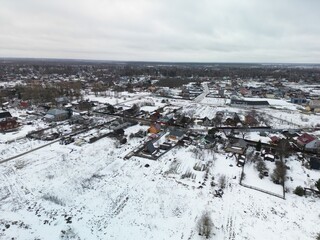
<point>90,192</point>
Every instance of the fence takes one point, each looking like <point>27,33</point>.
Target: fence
<point>262,190</point>
<point>259,189</point>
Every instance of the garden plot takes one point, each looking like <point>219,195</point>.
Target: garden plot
<point>298,175</point>
<point>292,118</point>
<point>251,178</point>
<point>188,165</point>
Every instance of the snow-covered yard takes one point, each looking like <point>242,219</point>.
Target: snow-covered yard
<point>252,179</point>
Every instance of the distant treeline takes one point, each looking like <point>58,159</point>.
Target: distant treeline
<point>112,71</point>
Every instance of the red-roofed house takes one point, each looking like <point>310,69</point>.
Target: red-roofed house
<point>308,142</point>
<point>274,140</point>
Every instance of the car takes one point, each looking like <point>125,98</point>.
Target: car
<point>241,160</point>
<point>269,157</point>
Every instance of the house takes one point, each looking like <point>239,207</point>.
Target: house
<point>251,104</point>
<point>250,120</point>
<point>183,121</point>
<point>4,115</point>
<point>237,146</point>
<point>290,134</point>
<point>308,142</point>
<point>7,122</point>
<point>110,109</point>
<point>154,128</point>
<point>24,104</point>
<point>315,105</point>
<point>230,122</point>
<point>274,140</point>
<point>149,147</point>
<point>165,120</point>
<point>133,111</point>
<point>206,121</point>
<point>175,135</point>
<point>298,100</point>
<point>61,101</point>
<point>84,106</point>
<point>57,115</point>
<point>155,116</point>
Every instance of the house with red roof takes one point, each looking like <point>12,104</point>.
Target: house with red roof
<point>308,142</point>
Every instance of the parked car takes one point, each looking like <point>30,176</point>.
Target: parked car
<point>241,160</point>
<point>269,157</point>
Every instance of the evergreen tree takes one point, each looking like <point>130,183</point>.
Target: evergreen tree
<point>258,146</point>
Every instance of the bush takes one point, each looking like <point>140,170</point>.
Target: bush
<point>261,166</point>
<point>188,174</point>
<point>199,166</point>
<point>222,181</point>
<point>318,236</point>
<point>299,191</point>
<point>205,225</point>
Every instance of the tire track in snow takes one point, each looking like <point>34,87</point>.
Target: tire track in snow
<point>230,221</point>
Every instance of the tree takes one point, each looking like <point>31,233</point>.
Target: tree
<point>318,184</point>
<point>244,131</point>
<point>222,181</point>
<point>212,131</point>
<point>283,148</point>
<point>258,146</point>
<point>261,166</point>
<point>217,121</point>
<point>279,173</point>
<point>299,191</point>
<point>205,225</point>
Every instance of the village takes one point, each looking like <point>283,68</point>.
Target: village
<point>217,136</point>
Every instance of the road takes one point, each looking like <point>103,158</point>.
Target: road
<point>202,95</point>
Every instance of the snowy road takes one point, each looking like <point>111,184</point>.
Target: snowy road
<point>204,94</point>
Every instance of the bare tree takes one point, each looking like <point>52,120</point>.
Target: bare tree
<point>205,225</point>
<point>222,181</point>
<point>283,148</point>
<point>260,166</point>
<point>244,134</point>
<point>279,173</point>
<point>199,154</point>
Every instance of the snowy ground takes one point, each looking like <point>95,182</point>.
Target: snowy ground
<point>252,179</point>
<point>90,192</point>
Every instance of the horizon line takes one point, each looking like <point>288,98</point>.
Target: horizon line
<point>150,61</point>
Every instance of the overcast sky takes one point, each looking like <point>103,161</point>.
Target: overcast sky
<point>162,30</point>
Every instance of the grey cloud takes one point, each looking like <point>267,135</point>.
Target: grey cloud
<point>175,30</point>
